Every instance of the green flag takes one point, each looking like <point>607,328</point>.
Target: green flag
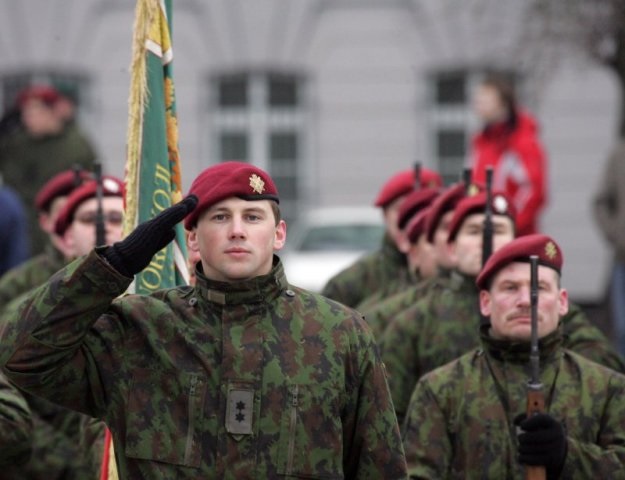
<point>153,179</point>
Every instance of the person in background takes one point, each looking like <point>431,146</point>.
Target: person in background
<point>509,143</point>
<point>49,201</point>
<point>609,208</point>
<point>468,418</point>
<point>67,445</point>
<point>76,222</point>
<point>14,238</point>
<point>437,221</point>
<point>43,144</point>
<point>415,202</point>
<point>388,264</point>
<point>439,327</point>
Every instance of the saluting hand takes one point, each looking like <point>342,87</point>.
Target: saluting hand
<point>134,253</point>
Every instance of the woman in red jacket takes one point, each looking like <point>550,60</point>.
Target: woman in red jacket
<point>509,143</point>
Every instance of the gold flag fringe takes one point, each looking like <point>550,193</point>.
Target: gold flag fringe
<point>145,12</point>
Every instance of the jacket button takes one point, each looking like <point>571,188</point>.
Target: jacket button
<point>290,293</point>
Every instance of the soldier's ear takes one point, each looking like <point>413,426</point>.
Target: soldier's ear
<point>451,252</point>
<point>485,303</point>
<point>192,242</point>
<point>563,301</point>
<point>280,237</point>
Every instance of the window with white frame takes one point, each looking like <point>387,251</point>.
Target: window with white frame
<point>449,122</point>
<point>259,117</point>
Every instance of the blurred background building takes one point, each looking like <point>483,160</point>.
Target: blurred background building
<point>333,96</point>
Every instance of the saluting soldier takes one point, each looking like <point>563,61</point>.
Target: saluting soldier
<point>412,205</point>
<point>468,418</point>
<point>387,264</point>
<point>242,376</point>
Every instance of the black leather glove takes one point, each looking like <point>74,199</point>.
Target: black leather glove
<point>135,252</point>
<point>542,441</point>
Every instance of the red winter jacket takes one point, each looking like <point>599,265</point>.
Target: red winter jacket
<point>519,164</point>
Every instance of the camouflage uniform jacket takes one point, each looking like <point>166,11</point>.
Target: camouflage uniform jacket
<point>15,425</point>
<point>30,274</point>
<point>460,419</point>
<point>239,381</point>
<point>379,315</point>
<point>445,325</point>
<point>58,449</point>
<point>368,274</point>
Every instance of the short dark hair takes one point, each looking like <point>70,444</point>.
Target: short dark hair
<point>275,208</point>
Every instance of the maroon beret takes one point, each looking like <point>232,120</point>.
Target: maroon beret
<point>58,186</point>
<point>44,93</point>
<point>111,187</point>
<point>519,250</point>
<point>500,204</point>
<point>413,203</point>
<point>404,182</point>
<point>229,179</point>
<point>416,225</point>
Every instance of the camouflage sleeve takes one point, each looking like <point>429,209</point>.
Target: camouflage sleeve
<point>11,286</point>
<point>378,315</point>
<point>52,341</point>
<point>400,353</point>
<point>605,457</point>
<point>345,286</point>
<point>425,436</point>
<point>584,338</point>
<point>374,449</point>
<point>15,425</point>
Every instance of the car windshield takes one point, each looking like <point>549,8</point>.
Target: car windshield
<point>342,237</point>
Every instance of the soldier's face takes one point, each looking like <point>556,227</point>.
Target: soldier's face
<point>236,239</point>
<point>80,236</point>
<point>39,118</point>
<point>391,214</point>
<point>507,303</point>
<point>421,258</point>
<point>441,251</point>
<point>466,250</point>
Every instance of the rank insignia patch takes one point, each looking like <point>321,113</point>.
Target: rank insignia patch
<point>240,410</point>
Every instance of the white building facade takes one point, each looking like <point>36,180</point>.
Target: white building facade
<point>331,96</point>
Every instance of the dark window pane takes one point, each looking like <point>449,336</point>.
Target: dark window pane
<point>283,145</point>
<point>451,143</point>
<point>233,146</point>
<point>282,91</point>
<point>233,91</point>
<point>451,89</point>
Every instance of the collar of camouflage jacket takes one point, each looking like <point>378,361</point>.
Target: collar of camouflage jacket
<point>55,256</point>
<point>258,289</point>
<point>519,352</point>
<point>461,281</point>
<point>389,250</point>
